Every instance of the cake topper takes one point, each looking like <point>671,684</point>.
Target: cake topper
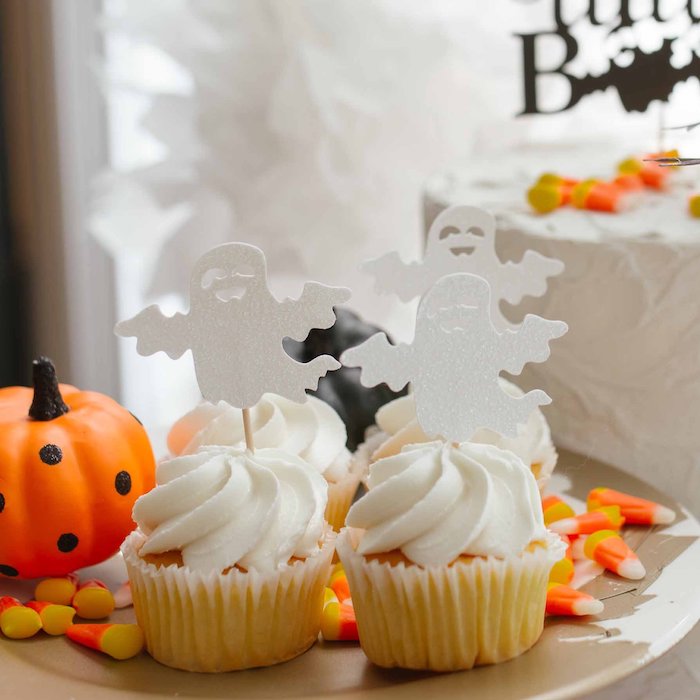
<point>455,360</point>
<point>463,239</point>
<point>590,34</point>
<point>235,329</point>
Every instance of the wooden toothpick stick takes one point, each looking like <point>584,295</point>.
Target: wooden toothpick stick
<point>250,446</point>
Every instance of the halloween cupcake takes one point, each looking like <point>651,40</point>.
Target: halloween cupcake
<point>312,430</point>
<point>397,426</point>
<point>229,565</point>
<point>447,558</point>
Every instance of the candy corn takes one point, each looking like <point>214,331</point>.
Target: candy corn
<point>564,600</point>
<point>57,590</point>
<point>609,549</point>
<point>606,518</point>
<point>563,570</point>
<point>338,622</point>
<point>55,619</point>
<point>652,174</point>
<point>694,206</point>
<point>636,511</point>
<point>554,508</point>
<point>550,192</point>
<point>17,621</point>
<point>123,597</point>
<point>597,195</point>
<point>93,600</point>
<point>339,583</point>
<point>118,641</point>
<point>628,183</point>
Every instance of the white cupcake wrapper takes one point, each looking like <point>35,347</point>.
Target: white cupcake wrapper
<point>222,622</point>
<point>481,611</point>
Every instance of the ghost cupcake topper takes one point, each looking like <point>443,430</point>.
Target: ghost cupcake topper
<point>462,239</point>
<point>455,360</point>
<point>235,329</point>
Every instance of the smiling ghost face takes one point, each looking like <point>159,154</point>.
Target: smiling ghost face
<point>462,231</point>
<point>230,273</point>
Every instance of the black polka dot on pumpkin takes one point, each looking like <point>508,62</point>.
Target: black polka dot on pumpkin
<point>2,503</point>
<point>67,542</point>
<point>136,419</point>
<point>6,570</point>
<point>51,454</point>
<point>122,482</point>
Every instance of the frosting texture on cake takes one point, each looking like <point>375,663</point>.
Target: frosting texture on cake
<point>224,506</point>
<point>436,501</point>
<point>312,430</point>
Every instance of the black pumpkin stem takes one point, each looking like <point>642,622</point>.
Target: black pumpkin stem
<point>48,402</point>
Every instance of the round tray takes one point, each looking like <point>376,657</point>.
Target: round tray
<point>642,620</point>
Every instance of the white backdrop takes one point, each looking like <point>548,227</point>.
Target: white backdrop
<point>306,127</point>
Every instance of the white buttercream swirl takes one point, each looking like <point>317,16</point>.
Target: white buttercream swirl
<point>437,501</point>
<point>312,430</point>
<point>533,442</point>
<point>224,506</point>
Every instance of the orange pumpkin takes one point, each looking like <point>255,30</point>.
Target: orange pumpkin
<point>72,463</point>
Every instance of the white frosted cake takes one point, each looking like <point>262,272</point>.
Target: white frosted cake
<point>626,378</point>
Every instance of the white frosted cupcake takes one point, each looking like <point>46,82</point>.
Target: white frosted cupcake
<point>447,558</point>
<point>397,426</point>
<point>312,430</point>
<point>230,560</point>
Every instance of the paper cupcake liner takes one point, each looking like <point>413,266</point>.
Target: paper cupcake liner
<point>341,494</point>
<point>481,611</point>
<point>224,622</point>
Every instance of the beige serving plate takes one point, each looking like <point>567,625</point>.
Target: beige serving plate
<point>641,621</point>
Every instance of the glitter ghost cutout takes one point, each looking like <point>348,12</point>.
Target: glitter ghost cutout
<point>455,360</point>
<point>462,239</point>
<point>235,329</point>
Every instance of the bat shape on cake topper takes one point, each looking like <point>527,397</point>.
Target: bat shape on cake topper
<point>463,239</point>
<point>455,359</point>
<point>235,328</point>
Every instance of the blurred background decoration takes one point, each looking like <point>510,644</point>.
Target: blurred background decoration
<point>161,127</point>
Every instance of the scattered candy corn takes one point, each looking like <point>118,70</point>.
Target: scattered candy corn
<point>652,174</point>
<point>597,195</point>
<point>577,544</point>
<point>118,641</point>
<point>93,601</point>
<point>57,590</point>
<point>564,600</point>
<point>694,206</point>
<point>550,192</point>
<point>338,622</point>
<point>636,511</point>
<point>123,597</point>
<point>16,620</point>
<point>554,508</point>
<point>605,518</point>
<point>563,570</point>
<point>609,549</point>
<point>339,583</point>
<point>628,183</point>
<point>55,619</point>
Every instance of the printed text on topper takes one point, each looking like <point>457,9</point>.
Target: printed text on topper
<point>463,239</point>
<point>455,360</point>
<point>235,329</point>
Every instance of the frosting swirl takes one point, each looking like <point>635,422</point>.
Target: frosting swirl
<point>435,501</point>
<point>533,442</point>
<point>312,430</point>
<point>224,506</point>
